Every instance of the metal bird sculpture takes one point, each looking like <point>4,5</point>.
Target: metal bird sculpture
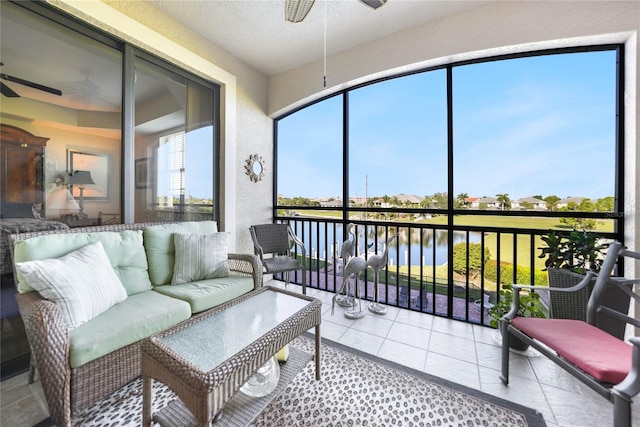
<point>356,265</point>
<point>348,251</point>
<point>377,263</point>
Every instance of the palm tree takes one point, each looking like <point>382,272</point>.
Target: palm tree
<point>504,200</point>
<point>462,199</point>
<point>552,202</point>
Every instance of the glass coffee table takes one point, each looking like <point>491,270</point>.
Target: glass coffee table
<point>206,359</point>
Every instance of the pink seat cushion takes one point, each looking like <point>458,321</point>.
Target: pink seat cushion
<point>604,357</point>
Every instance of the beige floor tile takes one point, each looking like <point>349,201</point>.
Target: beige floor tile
<point>337,317</point>
<point>332,331</point>
<point>24,412</point>
<point>451,327</point>
<point>373,324</point>
<point>575,409</point>
<point>453,369</point>
<point>520,390</point>
<point>362,341</point>
<point>485,335</point>
<point>403,354</point>
<point>453,346</point>
<point>411,335</point>
<point>415,319</point>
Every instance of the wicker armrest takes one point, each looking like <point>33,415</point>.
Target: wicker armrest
<point>584,282</point>
<point>246,265</point>
<point>515,304</point>
<point>46,330</point>
<point>298,243</point>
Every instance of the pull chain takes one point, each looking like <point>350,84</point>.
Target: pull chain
<point>324,77</point>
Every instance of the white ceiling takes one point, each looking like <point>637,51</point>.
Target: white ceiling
<point>256,32</point>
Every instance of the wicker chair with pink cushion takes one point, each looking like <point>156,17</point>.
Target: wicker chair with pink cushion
<point>608,365</point>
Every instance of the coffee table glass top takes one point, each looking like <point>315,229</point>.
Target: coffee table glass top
<point>230,330</point>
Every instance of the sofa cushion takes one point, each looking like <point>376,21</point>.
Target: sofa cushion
<point>82,283</point>
<point>200,256</point>
<point>205,294</point>
<point>124,249</point>
<point>138,317</point>
<point>159,245</point>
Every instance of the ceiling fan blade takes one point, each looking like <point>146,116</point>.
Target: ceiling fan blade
<point>7,91</point>
<point>374,3</point>
<point>31,84</point>
<point>296,10</point>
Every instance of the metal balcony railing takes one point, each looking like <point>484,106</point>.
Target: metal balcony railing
<point>431,268</point>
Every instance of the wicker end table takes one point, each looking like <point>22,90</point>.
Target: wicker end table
<point>206,359</point>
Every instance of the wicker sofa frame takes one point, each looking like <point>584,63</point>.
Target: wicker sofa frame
<point>68,390</point>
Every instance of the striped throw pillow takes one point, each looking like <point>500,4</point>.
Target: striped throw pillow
<point>200,256</point>
<point>82,283</point>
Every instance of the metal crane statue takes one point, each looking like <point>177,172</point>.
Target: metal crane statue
<point>356,265</point>
<point>348,251</point>
<point>377,263</point>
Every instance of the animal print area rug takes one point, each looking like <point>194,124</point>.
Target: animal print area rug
<point>358,389</point>
<point>355,389</point>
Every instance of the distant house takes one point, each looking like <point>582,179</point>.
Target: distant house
<point>331,203</point>
<point>404,199</point>
<point>533,201</point>
<point>565,202</point>
<point>411,199</point>
<point>489,202</point>
<point>471,201</point>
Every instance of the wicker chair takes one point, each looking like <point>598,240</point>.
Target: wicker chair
<point>606,364</point>
<point>277,240</point>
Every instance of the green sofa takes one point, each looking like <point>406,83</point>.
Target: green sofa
<point>81,365</point>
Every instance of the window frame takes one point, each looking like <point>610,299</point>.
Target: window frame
<point>617,215</point>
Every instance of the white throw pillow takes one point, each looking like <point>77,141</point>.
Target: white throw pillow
<point>82,282</point>
<point>200,256</point>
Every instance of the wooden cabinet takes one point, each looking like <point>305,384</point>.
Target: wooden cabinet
<point>21,166</point>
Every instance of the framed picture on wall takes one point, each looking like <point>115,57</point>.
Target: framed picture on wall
<point>94,169</point>
<point>143,174</point>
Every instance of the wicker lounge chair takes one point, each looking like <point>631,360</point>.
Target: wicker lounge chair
<point>277,240</point>
<point>608,365</point>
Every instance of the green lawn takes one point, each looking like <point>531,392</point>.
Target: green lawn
<point>511,222</point>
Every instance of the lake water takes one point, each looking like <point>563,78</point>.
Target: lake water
<point>431,248</point>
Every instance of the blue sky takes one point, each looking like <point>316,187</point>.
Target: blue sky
<point>539,125</point>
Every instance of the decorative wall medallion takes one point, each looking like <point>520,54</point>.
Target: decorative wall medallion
<point>255,167</point>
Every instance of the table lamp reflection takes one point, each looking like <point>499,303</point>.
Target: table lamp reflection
<point>81,178</point>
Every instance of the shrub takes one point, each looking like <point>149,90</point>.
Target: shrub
<point>475,257</point>
<point>530,305</point>
<point>506,274</point>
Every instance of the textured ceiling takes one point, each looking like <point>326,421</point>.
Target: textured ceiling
<point>256,31</point>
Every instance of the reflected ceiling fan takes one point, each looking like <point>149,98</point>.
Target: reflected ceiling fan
<point>10,93</point>
<point>297,10</point>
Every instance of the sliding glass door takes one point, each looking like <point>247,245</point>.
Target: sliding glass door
<point>174,146</point>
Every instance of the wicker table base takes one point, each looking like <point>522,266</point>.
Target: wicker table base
<point>206,359</point>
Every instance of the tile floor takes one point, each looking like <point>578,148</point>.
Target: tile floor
<point>460,352</point>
